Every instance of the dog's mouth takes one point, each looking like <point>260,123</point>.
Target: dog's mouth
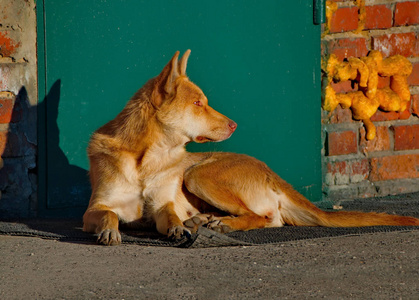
<point>202,139</point>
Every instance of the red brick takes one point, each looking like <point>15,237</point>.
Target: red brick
<point>344,48</point>
<point>378,17</point>
<point>341,143</point>
<point>336,167</point>
<point>380,143</point>
<point>345,172</point>
<point>406,137</point>
<point>413,79</point>
<point>344,86</point>
<point>341,115</point>
<point>391,115</point>
<point>404,115</point>
<point>416,50</point>
<point>6,110</point>
<point>415,105</point>
<point>385,116</point>
<point>406,13</point>
<point>394,167</point>
<point>359,170</point>
<point>344,19</point>
<point>337,173</point>
<point>397,43</point>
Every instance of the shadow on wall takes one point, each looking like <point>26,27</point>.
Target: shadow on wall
<point>18,181</point>
<point>66,186</point>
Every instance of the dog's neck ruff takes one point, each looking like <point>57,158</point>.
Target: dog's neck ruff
<point>160,156</point>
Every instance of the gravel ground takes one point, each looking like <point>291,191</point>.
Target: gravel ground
<point>369,266</point>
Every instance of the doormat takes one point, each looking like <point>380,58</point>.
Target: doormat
<point>71,230</point>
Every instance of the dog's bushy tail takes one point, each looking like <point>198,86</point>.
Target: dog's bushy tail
<point>359,219</point>
<point>301,212</point>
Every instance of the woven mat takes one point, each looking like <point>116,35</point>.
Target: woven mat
<point>71,230</point>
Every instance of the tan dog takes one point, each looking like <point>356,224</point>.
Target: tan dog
<point>140,171</point>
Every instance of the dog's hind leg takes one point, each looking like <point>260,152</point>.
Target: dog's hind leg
<point>238,185</point>
<point>197,221</point>
<point>244,222</point>
<point>226,224</point>
<point>223,198</point>
<point>101,220</point>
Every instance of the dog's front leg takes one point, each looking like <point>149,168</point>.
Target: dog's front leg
<point>104,222</point>
<point>168,222</point>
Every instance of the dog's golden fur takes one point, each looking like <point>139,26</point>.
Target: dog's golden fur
<point>140,171</point>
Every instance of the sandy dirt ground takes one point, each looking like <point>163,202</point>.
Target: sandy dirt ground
<point>370,266</point>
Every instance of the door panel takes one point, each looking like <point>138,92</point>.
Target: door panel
<point>257,61</point>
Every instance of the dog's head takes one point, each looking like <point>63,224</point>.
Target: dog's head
<point>183,108</point>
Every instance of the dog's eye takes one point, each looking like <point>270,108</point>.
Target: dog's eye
<point>198,103</point>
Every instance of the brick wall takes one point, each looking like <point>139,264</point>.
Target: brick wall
<point>389,164</point>
<point>18,99</point>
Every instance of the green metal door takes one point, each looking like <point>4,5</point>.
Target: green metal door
<point>257,61</point>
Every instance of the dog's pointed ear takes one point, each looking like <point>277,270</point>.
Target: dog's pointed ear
<point>184,62</point>
<point>165,82</point>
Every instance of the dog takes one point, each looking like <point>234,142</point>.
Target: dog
<point>140,171</point>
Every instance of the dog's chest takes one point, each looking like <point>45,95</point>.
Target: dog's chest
<point>161,185</point>
<point>152,181</point>
<point>128,167</point>
<point>159,173</point>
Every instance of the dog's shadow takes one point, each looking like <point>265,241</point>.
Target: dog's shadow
<point>67,184</point>
<point>47,183</point>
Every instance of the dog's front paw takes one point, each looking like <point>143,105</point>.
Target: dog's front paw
<point>196,221</point>
<point>219,226</point>
<point>177,232</point>
<point>109,237</point>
